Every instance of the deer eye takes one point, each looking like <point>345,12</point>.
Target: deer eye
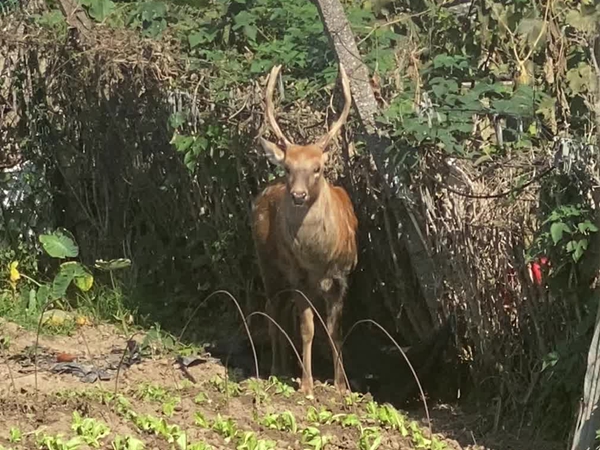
<point>287,170</point>
<point>317,169</point>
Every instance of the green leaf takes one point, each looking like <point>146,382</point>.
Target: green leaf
<point>59,244</point>
<point>197,38</point>
<point>582,22</point>
<point>181,142</point>
<point>66,273</point>
<point>250,32</point>
<point>32,303</point>
<point>99,9</point>
<point>113,264</point>
<point>190,161</point>
<point>556,231</point>
<point>587,227</point>
<point>579,249</point>
<point>84,282</point>
<point>42,295</point>
<point>550,360</point>
<point>242,19</point>
<point>149,11</point>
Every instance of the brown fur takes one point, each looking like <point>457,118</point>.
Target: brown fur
<point>309,247</point>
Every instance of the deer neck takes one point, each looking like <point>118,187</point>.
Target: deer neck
<point>310,231</point>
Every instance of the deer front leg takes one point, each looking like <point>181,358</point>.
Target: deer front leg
<point>307,331</point>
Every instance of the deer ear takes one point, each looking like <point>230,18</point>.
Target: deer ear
<point>273,152</point>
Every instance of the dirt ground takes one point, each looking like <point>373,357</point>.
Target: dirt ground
<point>146,399</point>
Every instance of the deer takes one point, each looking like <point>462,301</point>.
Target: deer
<point>304,230</point>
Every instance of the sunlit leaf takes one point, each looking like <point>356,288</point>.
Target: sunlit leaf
<point>66,273</point>
<point>59,244</point>
<point>85,282</point>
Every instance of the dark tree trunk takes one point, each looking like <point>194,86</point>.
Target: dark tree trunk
<point>340,34</point>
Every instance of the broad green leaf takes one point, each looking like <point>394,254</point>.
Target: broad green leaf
<point>586,227</point>
<point>113,264</point>
<point>99,9</point>
<point>243,18</point>
<point>59,244</point>
<point>556,231</point>
<point>85,282</point>
<point>250,32</point>
<point>66,273</point>
<point>149,11</point>
<point>155,28</point>
<point>582,22</point>
<point>197,38</point>
<point>182,143</point>
<point>42,295</point>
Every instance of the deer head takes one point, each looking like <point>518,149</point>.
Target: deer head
<point>303,164</point>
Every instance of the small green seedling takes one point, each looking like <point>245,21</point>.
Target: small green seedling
<point>256,387</point>
<point>312,437</point>
<point>370,438</point>
<point>280,387</point>
<point>229,388</point>
<point>353,398</point>
<point>200,420</point>
<point>249,441</point>
<point>90,430</point>
<point>148,391</point>
<point>323,416</point>
<point>201,398</point>
<point>15,435</point>
<point>151,424</point>
<point>225,427</point>
<point>127,443</point>
<point>170,405</point>
<point>48,442</point>
<point>282,422</point>
<point>199,446</point>
<point>350,420</point>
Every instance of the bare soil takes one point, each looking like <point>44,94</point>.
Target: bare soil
<point>48,408</point>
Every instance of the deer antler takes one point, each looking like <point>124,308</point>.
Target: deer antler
<point>324,141</point>
<point>269,112</point>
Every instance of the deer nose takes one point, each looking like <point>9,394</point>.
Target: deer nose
<point>298,197</point>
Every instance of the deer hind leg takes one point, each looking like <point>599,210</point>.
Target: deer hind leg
<point>333,291</point>
<point>307,331</point>
<point>279,362</point>
<point>271,311</point>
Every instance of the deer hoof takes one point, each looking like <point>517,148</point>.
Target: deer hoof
<point>306,387</point>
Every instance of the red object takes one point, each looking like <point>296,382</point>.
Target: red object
<point>65,357</point>
<point>536,269</point>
